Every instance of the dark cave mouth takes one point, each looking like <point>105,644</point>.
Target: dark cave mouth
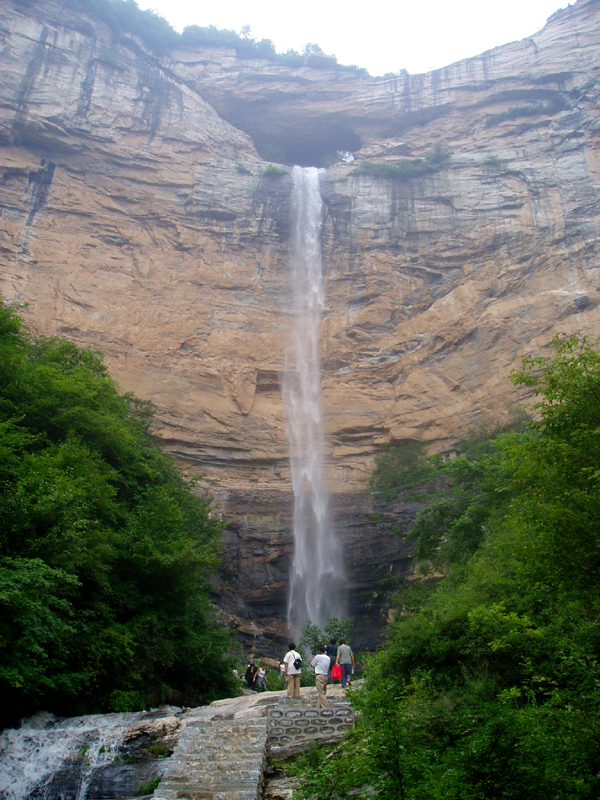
<point>316,148</point>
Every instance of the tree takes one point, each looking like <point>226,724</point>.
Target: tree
<point>105,549</point>
<point>312,636</point>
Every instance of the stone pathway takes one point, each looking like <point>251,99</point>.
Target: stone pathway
<point>222,751</point>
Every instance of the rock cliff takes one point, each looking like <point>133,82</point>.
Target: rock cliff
<point>137,219</point>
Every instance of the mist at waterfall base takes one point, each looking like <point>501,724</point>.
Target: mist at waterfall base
<point>317,581</point>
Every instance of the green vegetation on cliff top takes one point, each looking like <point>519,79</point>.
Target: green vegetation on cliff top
<point>155,31</point>
<point>105,551</point>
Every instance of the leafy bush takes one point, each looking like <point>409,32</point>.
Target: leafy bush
<point>399,467</point>
<point>105,552</point>
<point>150,787</point>
<point>273,171</point>
<point>312,636</point>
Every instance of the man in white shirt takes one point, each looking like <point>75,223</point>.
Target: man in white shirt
<point>291,671</point>
<point>321,666</point>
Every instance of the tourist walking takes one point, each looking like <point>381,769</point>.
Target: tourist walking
<point>331,650</point>
<point>261,680</point>
<point>292,662</point>
<point>320,663</point>
<point>251,673</point>
<point>345,658</point>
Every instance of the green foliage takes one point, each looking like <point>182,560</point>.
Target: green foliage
<point>338,629</point>
<point>310,639</point>
<point>105,551</point>
<point>108,58</point>
<point>126,15</point>
<point>495,162</point>
<point>400,467</point>
<point>489,686</point>
<point>273,171</point>
<point>407,168</point>
<point>474,491</point>
<point>312,636</point>
<point>155,31</point>
<point>150,787</point>
<point>558,103</point>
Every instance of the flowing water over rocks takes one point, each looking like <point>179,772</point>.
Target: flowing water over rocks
<point>85,758</point>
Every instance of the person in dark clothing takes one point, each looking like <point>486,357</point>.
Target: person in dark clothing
<point>251,674</point>
<point>331,651</point>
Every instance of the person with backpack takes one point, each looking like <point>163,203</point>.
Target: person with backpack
<point>292,662</point>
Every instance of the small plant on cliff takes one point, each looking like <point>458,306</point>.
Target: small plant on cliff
<point>150,787</point>
<point>556,104</point>
<point>273,171</point>
<point>108,58</point>
<point>407,168</point>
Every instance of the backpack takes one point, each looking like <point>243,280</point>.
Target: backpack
<point>298,663</point>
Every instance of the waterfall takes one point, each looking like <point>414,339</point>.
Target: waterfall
<point>316,590</point>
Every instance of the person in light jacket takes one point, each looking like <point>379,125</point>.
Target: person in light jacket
<point>291,672</point>
<point>320,664</point>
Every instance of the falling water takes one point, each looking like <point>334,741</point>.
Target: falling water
<point>317,576</point>
<point>50,758</point>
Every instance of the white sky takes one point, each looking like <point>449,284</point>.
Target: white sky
<point>419,35</point>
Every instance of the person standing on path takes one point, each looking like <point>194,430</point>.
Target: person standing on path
<point>261,680</point>
<point>331,650</point>
<point>292,670</point>
<point>345,658</point>
<point>320,663</point>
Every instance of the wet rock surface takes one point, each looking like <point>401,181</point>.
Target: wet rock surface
<point>107,756</point>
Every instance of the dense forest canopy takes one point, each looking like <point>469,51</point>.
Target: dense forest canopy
<point>105,551</point>
<point>489,686</point>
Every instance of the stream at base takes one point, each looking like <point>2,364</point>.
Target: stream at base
<point>94,757</point>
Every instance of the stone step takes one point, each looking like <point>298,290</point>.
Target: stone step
<point>217,758</point>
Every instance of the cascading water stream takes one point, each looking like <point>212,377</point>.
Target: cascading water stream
<point>316,590</point>
<point>50,758</point>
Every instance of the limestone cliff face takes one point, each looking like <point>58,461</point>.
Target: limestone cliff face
<point>136,218</point>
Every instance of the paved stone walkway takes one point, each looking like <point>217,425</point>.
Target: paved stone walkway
<point>222,751</point>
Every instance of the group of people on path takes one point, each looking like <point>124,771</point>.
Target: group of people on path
<point>323,663</point>
<point>256,677</point>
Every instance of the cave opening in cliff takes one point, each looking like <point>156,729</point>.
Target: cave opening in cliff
<point>307,148</point>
